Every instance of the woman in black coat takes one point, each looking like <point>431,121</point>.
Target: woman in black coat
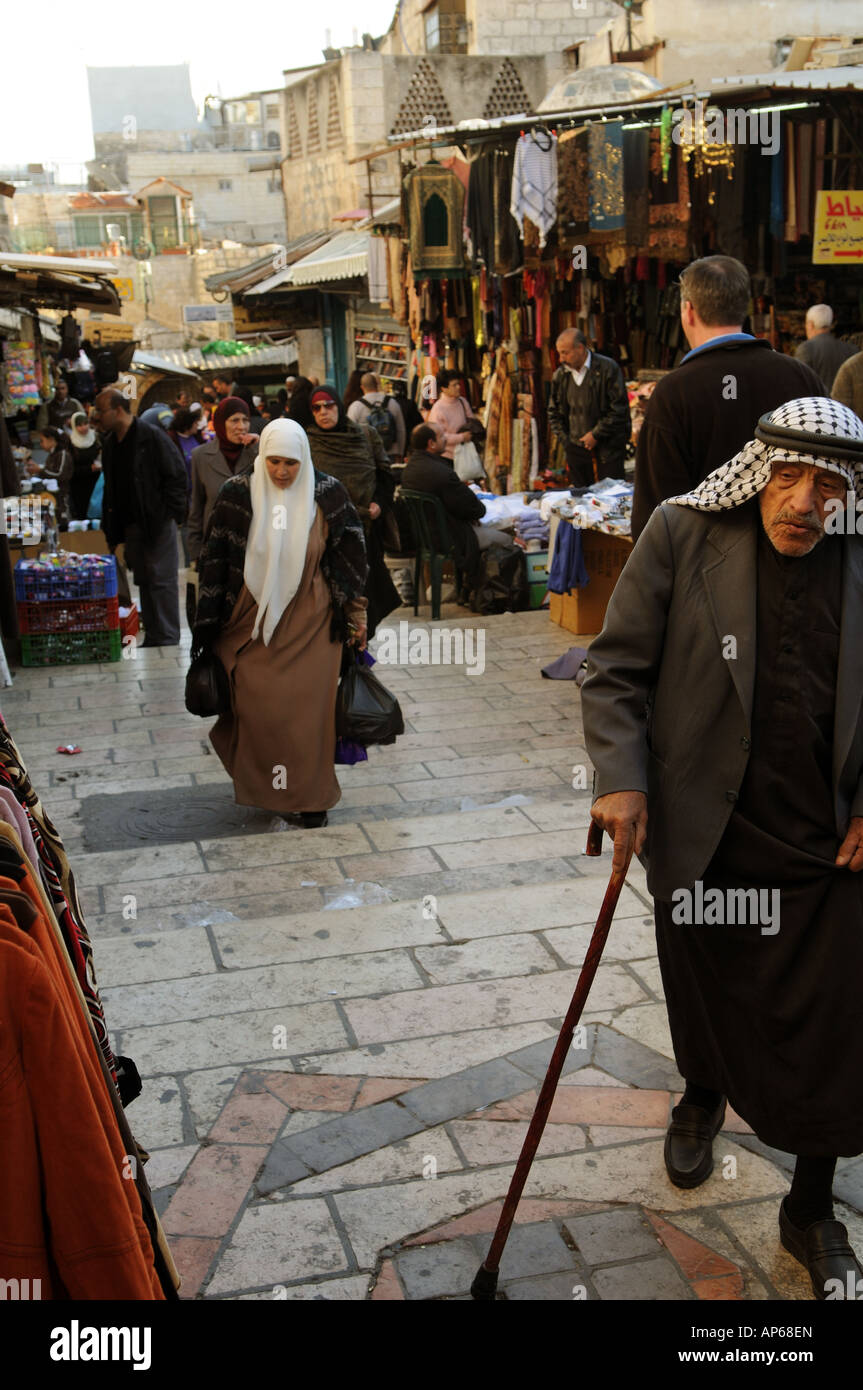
<point>355,455</point>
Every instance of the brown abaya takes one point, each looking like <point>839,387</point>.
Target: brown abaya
<point>279,742</point>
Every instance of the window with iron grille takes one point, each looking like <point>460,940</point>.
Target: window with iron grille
<point>225,185</point>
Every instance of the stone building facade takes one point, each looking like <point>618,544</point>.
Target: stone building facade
<point>237,193</point>
<point>351,105</point>
<point>494,26</point>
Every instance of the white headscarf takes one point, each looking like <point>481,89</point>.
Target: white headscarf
<point>281,521</point>
<point>81,441</point>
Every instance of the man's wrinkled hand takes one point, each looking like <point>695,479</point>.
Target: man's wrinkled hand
<point>851,849</point>
<point>622,815</point>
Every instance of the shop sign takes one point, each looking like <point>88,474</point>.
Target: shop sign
<point>124,286</point>
<point>112,331</point>
<point>838,238</point>
<point>208,313</point>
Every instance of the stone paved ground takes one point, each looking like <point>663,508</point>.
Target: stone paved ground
<point>335,1095</point>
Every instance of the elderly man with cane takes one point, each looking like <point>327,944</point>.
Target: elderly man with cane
<point>722,712</point>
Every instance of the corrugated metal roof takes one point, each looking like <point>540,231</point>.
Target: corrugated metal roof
<point>19,261</point>
<point>809,79</point>
<point>240,277</point>
<point>845,79</point>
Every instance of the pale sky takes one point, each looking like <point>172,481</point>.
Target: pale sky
<point>232,48</point>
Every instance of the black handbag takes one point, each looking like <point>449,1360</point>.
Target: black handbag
<point>366,712</point>
<point>474,425</point>
<point>208,690</point>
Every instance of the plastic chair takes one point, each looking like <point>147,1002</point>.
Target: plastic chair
<point>434,544</point>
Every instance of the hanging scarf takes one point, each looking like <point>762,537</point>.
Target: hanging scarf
<point>281,521</point>
<point>811,430</point>
<point>231,405</point>
<point>345,452</point>
<point>605,143</point>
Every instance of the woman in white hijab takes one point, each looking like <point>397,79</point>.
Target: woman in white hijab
<point>86,450</point>
<point>281,578</point>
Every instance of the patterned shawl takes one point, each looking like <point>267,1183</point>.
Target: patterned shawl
<point>220,568</point>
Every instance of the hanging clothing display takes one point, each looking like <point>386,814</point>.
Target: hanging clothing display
<point>378,282</point>
<point>605,151</point>
<point>71,1213</point>
<point>805,147</point>
<point>573,185</point>
<point>506,252</point>
<point>481,207</point>
<point>435,201</point>
<point>669,204</point>
<point>534,182</point>
<point>636,156</point>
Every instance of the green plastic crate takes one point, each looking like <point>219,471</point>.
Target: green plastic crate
<point>63,648</point>
<point>537,594</point>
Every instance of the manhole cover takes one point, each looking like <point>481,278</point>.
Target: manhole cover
<point>132,819</point>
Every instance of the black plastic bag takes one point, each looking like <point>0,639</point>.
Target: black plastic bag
<point>501,583</point>
<point>366,712</point>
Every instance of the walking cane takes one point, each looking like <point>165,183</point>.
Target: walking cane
<point>484,1286</point>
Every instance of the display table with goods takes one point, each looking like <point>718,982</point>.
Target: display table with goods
<point>68,609</point>
<point>590,542</point>
<point>519,514</point>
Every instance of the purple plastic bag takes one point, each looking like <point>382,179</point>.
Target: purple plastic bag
<point>349,752</point>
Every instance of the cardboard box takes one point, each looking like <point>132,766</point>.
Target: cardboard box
<point>84,542</point>
<point>582,611</point>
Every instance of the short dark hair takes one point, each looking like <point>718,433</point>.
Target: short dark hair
<point>447,377</point>
<point>222,376</point>
<point>183,420</point>
<point>116,400</point>
<point>422,436</point>
<point>718,289</point>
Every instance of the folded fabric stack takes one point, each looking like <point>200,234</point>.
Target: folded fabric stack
<point>531,530</point>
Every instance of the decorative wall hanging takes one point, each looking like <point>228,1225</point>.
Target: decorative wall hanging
<point>435,200</point>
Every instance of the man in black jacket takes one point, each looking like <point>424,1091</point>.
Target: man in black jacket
<point>589,410</point>
<point>704,411</point>
<point>144,502</point>
<point>425,471</point>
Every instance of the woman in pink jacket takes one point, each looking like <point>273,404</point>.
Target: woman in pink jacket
<point>451,412</point>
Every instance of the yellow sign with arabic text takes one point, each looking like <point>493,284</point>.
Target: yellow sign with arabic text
<point>838,238</point>
<point>124,286</point>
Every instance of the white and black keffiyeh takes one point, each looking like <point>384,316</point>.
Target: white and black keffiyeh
<point>811,430</point>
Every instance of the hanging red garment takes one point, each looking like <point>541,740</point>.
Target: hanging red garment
<point>70,1215</point>
<point>540,291</point>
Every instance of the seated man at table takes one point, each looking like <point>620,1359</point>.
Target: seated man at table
<point>426,471</point>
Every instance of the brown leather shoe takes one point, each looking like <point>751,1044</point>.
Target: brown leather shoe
<point>689,1143</point>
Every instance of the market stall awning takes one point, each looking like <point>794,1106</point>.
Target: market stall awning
<point>58,282</point>
<point>344,256</point>
<point>155,362</point>
<point>243,277</point>
<point>193,360</point>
